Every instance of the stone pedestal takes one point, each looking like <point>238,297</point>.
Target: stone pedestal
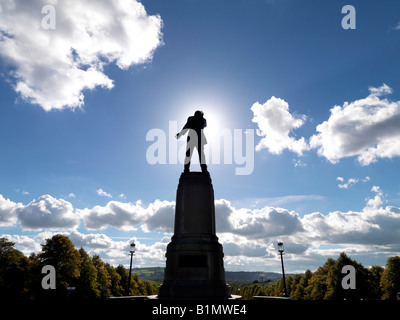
<point>194,267</point>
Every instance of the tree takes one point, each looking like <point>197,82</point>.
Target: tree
<point>21,277</point>
<point>137,286</point>
<point>151,287</point>
<point>247,292</point>
<point>103,278</point>
<point>390,281</point>
<point>124,278</point>
<point>59,252</point>
<point>35,276</point>
<point>299,291</point>
<point>317,285</point>
<point>376,273</point>
<point>335,291</point>
<point>293,283</point>
<point>116,285</point>
<point>13,267</point>
<point>87,286</point>
<point>279,289</point>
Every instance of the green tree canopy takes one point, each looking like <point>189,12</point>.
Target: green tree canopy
<point>87,285</point>
<point>60,252</point>
<point>13,267</point>
<point>390,281</point>
<point>103,278</point>
<point>21,277</point>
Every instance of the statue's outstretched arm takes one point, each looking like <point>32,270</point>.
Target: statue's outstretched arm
<point>183,132</point>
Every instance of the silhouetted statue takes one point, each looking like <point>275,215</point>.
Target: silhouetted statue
<point>195,139</point>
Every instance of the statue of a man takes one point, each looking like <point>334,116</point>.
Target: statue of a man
<point>195,139</point>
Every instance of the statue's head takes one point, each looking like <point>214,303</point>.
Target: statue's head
<point>198,113</point>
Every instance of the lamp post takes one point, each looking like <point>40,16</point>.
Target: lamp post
<point>132,251</point>
<point>281,252</point>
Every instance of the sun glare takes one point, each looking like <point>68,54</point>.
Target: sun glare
<point>214,125</point>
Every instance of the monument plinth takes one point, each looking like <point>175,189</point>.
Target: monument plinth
<point>194,267</point>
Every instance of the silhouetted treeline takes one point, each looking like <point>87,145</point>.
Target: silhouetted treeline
<point>21,276</point>
<point>375,283</point>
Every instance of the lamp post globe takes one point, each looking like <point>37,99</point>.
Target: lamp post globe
<point>132,248</point>
<point>280,247</point>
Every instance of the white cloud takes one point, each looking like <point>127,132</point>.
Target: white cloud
<point>368,128</point>
<point>257,223</point>
<point>311,236</point>
<point>244,226</point>
<point>161,216</point>
<point>350,182</point>
<point>25,193</point>
<point>102,193</point>
<point>373,225</point>
<point>299,163</point>
<point>248,235</point>
<point>27,243</point>
<point>336,227</point>
<point>157,217</point>
<point>117,214</point>
<point>265,223</point>
<point>8,216</point>
<point>91,240</point>
<point>275,123</point>
<point>49,213</point>
<point>377,201</point>
<point>117,252</point>
<point>52,68</point>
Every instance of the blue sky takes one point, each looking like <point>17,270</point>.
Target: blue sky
<point>77,103</point>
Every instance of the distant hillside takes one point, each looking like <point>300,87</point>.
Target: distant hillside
<point>157,274</point>
<point>235,276</point>
<point>154,274</point>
